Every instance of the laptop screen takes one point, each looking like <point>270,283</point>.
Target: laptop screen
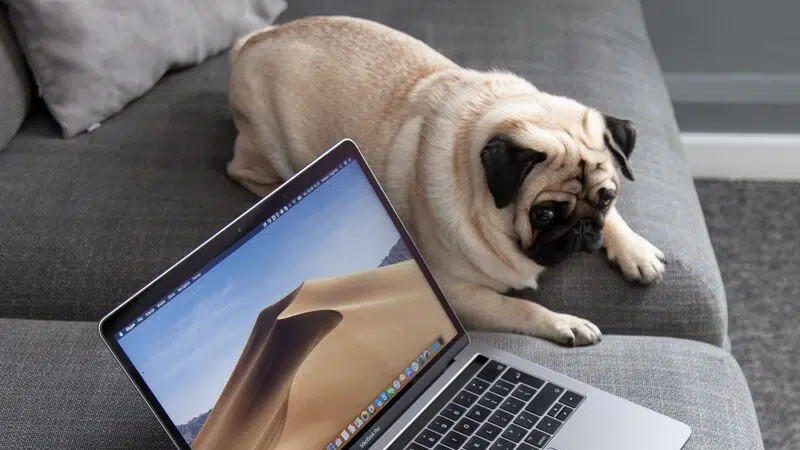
<point>297,336</point>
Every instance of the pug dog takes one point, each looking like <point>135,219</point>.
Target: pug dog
<point>495,179</point>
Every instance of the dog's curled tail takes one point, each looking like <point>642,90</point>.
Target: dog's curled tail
<point>239,43</point>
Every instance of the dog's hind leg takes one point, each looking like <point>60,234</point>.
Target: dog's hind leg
<point>251,168</point>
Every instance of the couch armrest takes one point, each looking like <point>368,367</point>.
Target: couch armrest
<point>608,63</point>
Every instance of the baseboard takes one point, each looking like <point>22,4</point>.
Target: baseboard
<point>743,156</point>
<point>738,88</point>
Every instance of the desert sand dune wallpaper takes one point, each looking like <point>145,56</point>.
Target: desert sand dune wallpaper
<point>316,358</point>
<point>282,341</point>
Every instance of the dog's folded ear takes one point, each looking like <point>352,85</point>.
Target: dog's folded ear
<point>620,137</point>
<point>506,165</point>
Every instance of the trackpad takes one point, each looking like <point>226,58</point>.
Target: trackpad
<point>606,422</point>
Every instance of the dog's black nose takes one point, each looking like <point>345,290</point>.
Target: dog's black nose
<point>593,222</point>
<point>590,237</point>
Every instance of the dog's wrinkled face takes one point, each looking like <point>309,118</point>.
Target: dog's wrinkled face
<point>560,176</point>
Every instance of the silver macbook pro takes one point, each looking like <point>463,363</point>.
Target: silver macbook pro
<point>311,322</point>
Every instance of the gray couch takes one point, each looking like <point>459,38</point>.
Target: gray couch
<point>84,222</point>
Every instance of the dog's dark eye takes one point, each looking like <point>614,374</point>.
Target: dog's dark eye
<point>543,216</point>
<point>604,198</point>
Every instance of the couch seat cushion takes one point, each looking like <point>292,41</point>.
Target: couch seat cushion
<point>62,389</point>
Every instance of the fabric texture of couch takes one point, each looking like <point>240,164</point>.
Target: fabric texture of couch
<point>85,222</point>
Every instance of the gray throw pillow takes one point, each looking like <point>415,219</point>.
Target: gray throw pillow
<point>90,58</point>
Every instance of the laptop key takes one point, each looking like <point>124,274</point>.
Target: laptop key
<point>478,413</point>
<point>501,418</point>
<point>537,439</point>
<point>490,400</point>
<point>524,392</point>
<point>441,424</point>
<point>454,440</point>
<point>522,446</point>
<point>516,376</point>
<point>502,444</point>
<point>442,447</point>
<point>564,413</point>
<point>526,420</point>
<point>555,410</point>
<point>415,446</point>
<point>477,443</point>
<point>489,432</point>
<point>491,371</point>
<point>571,399</point>
<point>428,438</point>
<point>546,397</point>
<point>466,426</point>
<point>502,388</point>
<point>453,411</point>
<point>465,399</point>
<point>512,405</point>
<point>514,433</point>
<point>549,425</point>
<point>477,386</point>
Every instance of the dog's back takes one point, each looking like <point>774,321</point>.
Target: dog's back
<point>327,74</point>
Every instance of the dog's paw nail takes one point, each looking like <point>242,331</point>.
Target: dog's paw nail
<point>566,337</point>
<point>639,261</point>
<point>575,332</point>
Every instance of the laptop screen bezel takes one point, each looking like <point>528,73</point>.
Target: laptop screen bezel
<point>228,237</point>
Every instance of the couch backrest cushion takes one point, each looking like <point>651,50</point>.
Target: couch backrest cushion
<point>15,82</point>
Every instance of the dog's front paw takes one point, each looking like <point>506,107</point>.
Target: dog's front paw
<point>637,258</point>
<point>573,331</point>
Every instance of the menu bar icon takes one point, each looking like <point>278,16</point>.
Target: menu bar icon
<point>161,303</point>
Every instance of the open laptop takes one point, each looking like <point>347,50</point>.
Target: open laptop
<point>311,322</point>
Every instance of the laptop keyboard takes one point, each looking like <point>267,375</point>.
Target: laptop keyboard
<point>499,408</point>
